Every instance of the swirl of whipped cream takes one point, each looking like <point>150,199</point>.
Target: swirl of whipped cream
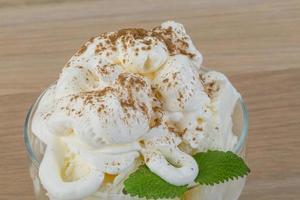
<point>141,54</point>
<point>165,159</point>
<point>87,181</point>
<point>180,86</point>
<point>179,42</point>
<point>210,126</point>
<point>111,159</point>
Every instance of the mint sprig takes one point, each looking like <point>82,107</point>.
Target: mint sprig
<point>214,167</point>
<point>218,167</point>
<point>145,184</point>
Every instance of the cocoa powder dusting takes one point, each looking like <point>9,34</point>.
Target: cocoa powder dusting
<point>82,49</point>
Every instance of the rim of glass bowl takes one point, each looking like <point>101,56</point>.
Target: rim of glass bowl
<point>27,128</point>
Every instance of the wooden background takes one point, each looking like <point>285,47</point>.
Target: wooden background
<point>256,43</point>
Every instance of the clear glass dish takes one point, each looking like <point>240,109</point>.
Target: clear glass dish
<point>35,150</point>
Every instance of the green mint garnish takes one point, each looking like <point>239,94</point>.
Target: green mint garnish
<point>219,166</point>
<point>214,167</point>
<point>145,184</point>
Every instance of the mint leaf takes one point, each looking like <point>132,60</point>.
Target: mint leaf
<point>214,167</point>
<point>218,166</point>
<point>144,183</point>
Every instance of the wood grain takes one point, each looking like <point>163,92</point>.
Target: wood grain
<point>256,43</point>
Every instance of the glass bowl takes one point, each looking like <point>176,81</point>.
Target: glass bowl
<point>35,151</point>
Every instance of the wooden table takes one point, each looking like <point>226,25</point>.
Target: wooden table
<point>256,43</point>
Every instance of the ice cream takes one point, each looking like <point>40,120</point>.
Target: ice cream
<point>130,97</point>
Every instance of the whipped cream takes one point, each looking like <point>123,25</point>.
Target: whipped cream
<point>128,97</point>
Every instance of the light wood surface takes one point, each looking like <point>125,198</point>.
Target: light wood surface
<point>256,43</point>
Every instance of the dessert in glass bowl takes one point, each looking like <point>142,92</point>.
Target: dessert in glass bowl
<point>135,115</point>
